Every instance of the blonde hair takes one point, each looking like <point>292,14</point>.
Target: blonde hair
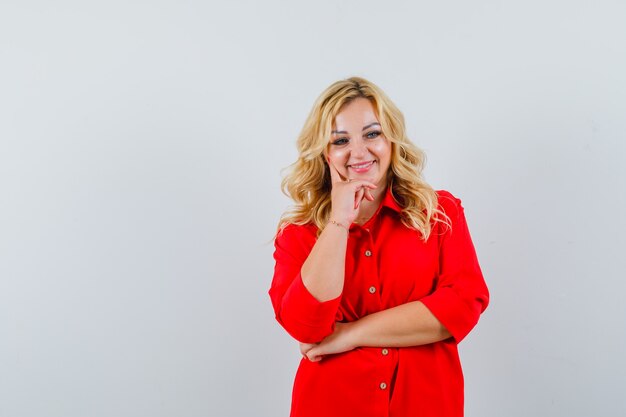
<point>308,179</point>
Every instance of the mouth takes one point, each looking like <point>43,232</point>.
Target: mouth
<point>362,167</point>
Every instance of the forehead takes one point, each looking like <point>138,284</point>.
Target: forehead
<point>354,115</point>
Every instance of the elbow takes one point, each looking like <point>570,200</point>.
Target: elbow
<point>305,333</point>
<point>305,318</point>
<point>457,314</point>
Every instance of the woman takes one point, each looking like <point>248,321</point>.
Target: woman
<point>376,275</point>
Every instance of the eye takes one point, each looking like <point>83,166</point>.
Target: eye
<point>340,141</point>
<point>373,135</point>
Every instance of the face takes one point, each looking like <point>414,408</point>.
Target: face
<point>358,149</point>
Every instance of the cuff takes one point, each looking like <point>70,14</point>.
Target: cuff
<point>304,317</point>
<point>457,315</point>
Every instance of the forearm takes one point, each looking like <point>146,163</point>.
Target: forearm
<point>324,269</point>
<point>410,324</point>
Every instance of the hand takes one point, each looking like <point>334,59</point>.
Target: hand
<point>346,196</point>
<point>305,347</point>
<point>341,340</point>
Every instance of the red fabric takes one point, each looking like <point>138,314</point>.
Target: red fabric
<point>442,272</point>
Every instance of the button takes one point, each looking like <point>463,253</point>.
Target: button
<point>372,290</point>
<point>385,351</point>
<point>383,385</point>
<point>368,253</point>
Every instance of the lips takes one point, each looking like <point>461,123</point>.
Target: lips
<point>361,167</point>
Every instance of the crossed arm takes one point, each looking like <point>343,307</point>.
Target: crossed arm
<point>409,324</point>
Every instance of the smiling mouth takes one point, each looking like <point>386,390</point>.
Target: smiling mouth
<point>362,165</point>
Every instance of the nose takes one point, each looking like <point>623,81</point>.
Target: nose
<point>359,149</point>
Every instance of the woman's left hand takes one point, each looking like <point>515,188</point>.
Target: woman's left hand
<point>341,340</point>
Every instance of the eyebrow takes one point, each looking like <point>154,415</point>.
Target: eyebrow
<point>365,128</point>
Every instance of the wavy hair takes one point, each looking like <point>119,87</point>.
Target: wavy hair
<point>308,182</point>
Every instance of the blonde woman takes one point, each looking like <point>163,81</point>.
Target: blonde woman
<point>376,275</point>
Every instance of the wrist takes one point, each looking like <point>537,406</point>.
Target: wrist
<point>352,332</point>
<point>342,218</point>
<point>336,223</point>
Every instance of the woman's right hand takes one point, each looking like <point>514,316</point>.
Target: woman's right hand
<point>346,196</point>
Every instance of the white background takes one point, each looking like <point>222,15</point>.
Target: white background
<point>140,157</point>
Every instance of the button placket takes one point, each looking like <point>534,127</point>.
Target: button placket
<point>368,253</point>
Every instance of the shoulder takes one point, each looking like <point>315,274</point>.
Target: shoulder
<point>296,232</point>
<point>446,198</point>
<point>449,203</point>
<point>294,241</point>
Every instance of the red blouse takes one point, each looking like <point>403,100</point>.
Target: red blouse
<point>387,264</point>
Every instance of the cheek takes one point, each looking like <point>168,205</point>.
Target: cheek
<point>338,156</point>
<point>382,149</point>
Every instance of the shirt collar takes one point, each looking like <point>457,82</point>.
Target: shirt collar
<point>389,201</point>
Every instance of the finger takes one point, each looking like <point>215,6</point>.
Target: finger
<point>368,194</point>
<point>305,347</point>
<point>365,194</point>
<point>362,183</point>
<point>313,355</point>
<point>358,197</point>
<point>335,176</point>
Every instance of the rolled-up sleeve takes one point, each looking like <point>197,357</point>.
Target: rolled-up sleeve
<point>304,317</point>
<point>460,294</point>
